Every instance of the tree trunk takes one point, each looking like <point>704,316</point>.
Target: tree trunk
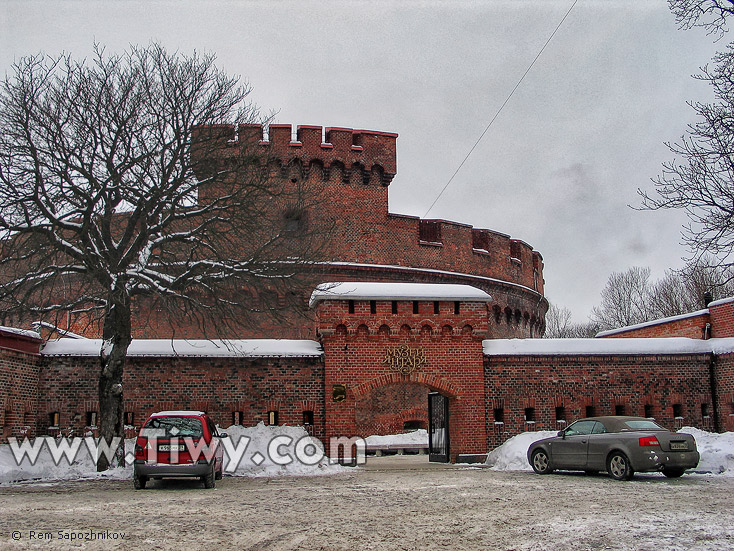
<point>117,337</point>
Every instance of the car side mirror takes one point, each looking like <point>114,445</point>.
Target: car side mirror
<point>222,435</point>
<point>562,434</point>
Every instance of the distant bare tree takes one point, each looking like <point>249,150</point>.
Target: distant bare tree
<point>559,325</point>
<point>103,166</point>
<point>625,300</point>
<point>557,322</point>
<point>710,14</point>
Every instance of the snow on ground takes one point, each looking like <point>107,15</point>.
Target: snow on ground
<point>416,437</point>
<point>286,450</point>
<point>717,451</point>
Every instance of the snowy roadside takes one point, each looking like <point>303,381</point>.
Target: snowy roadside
<point>717,452</point>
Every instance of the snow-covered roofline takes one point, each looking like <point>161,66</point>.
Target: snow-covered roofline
<point>20,332</point>
<point>721,301</point>
<point>250,348</point>
<point>652,323</point>
<point>368,290</point>
<point>63,332</point>
<point>604,347</point>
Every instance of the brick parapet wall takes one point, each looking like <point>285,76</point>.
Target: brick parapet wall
<point>219,386</point>
<point>19,375</point>
<point>514,383</point>
<point>724,385</point>
<point>692,327</point>
<point>722,318</point>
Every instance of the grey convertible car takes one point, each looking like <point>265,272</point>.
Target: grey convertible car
<point>616,444</point>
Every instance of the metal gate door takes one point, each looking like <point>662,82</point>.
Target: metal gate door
<point>438,427</point>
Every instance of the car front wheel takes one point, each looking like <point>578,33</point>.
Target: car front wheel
<point>618,466</point>
<point>673,473</point>
<point>540,462</point>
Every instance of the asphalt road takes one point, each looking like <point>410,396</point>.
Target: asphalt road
<point>391,503</point>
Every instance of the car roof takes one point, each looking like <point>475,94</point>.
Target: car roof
<point>616,422</point>
<point>178,413</point>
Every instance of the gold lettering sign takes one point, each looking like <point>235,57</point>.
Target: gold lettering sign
<point>404,359</point>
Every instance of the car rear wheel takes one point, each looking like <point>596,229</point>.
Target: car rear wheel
<point>618,466</point>
<point>218,474</point>
<point>540,462</point>
<point>673,473</point>
<point>139,482</point>
<point>209,479</point>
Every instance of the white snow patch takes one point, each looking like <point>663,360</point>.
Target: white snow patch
<point>512,455</point>
<point>717,451</point>
<point>44,470</point>
<point>591,347</point>
<point>180,347</point>
<point>20,332</point>
<point>260,438</point>
<point>416,437</point>
<point>396,291</point>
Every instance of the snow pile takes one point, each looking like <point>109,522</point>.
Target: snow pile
<point>512,455</point>
<point>416,437</point>
<point>44,469</point>
<point>266,456</point>
<point>717,451</point>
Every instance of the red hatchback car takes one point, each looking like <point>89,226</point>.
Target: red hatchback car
<point>178,444</point>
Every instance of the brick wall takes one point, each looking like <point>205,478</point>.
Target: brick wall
<point>722,318</point>
<point>692,327</point>
<point>219,386</point>
<point>544,383</point>
<point>724,384</point>
<point>18,393</point>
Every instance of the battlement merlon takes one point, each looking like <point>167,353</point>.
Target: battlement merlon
<point>344,147</point>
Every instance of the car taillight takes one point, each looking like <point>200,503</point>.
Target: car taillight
<point>139,451</point>
<point>649,441</point>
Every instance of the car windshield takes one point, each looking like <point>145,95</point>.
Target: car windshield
<point>174,426</point>
<point>642,424</point>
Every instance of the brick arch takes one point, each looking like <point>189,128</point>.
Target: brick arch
<point>433,382</point>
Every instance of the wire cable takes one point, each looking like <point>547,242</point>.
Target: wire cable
<point>501,108</point>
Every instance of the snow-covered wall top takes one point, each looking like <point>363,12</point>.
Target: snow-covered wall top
<point>396,291</point>
<point>613,347</point>
<point>721,301</point>
<point>20,332</point>
<point>652,323</point>
<point>272,348</point>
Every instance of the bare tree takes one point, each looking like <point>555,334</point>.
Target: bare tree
<point>559,325</point>
<point>115,189</point>
<point>710,14</point>
<point>625,300</point>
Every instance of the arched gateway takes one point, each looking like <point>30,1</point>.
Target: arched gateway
<point>389,346</point>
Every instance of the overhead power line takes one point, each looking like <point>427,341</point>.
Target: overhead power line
<point>501,108</point>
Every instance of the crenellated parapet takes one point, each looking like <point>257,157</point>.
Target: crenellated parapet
<point>368,153</point>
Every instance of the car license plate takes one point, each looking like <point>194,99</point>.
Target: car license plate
<point>678,446</point>
<point>169,447</point>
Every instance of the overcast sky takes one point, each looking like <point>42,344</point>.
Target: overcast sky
<point>557,169</point>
